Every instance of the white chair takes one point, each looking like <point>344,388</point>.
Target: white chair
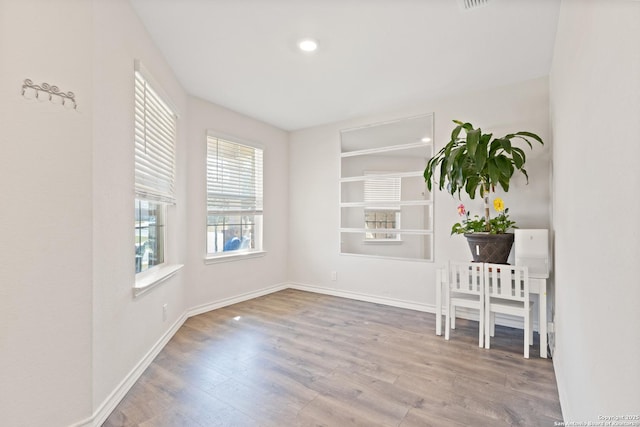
<point>464,289</point>
<point>506,291</point>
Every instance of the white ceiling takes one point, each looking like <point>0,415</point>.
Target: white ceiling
<point>373,56</point>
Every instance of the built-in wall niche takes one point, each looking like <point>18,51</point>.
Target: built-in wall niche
<point>385,208</point>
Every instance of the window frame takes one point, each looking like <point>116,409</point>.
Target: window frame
<point>382,190</point>
<point>162,237</point>
<point>154,182</point>
<point>392,237</point>
<point>240,254</point>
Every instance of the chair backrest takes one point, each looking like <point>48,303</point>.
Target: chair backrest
<point>507,281</point>
<point>465,277</point>
<point>531,247</point>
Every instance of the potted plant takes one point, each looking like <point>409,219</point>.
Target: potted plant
<point>475,162</point>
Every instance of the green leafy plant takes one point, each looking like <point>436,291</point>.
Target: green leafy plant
<point>501,223</point>
<point>469,225</point>
<point>498,225</point>
<point>474,162</point>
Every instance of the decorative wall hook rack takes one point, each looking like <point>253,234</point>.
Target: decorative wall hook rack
<point>52,91</point>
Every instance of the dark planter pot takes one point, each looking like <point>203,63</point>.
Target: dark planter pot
<point>493,248</point>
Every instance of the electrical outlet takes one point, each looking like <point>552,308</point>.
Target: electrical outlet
<point>334,276</point>
<point>164,312</point>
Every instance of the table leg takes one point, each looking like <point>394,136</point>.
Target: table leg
<point>438,302</point>
<point>542,320</point>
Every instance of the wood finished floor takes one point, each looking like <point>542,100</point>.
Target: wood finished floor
<point>295,358</point>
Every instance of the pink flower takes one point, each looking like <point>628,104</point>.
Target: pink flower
<point>461,210</point>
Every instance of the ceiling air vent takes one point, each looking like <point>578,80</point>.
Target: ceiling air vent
<point>472,4</point>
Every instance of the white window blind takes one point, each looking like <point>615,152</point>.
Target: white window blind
<point>381,191</point>
<point>155,134</point>
<point>234,178</point>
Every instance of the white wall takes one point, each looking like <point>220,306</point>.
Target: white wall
<point>314,213</point>
<point>211,283</point>
<point>46,215</point>
<point>595,103</point>
<point>126,328</point>
<point>71,331</point>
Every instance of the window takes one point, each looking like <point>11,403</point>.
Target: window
<point>149,235</point>
<point>381,220</point>
<point>154,134</point>
<point>382,206</point>
<point>234,197</point>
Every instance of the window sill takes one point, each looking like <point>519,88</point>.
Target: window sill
<point>150,281</point>
<point>233,257</point>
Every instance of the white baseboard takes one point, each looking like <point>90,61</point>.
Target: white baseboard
<point>87,422</point>
<point>109,404</point>
<point>501,319</point>
<point>103,411</point>
<point>234,300</point>
<point>365,297</point>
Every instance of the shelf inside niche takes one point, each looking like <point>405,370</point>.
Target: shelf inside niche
<point>386,149</point>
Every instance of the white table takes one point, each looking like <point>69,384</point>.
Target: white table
<point>537,286</point>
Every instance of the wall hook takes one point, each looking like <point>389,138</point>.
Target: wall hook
<point>52,91</point>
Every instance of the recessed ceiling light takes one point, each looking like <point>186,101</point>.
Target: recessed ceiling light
<point>308,45</point>
<point>426,139</point>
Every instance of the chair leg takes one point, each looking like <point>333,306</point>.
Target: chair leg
<point>527,326</point>
<point>481,328</point>
<point>447,304</point>
<point>453,317</point>
<point>487,327</point>
<point>447,323</point>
